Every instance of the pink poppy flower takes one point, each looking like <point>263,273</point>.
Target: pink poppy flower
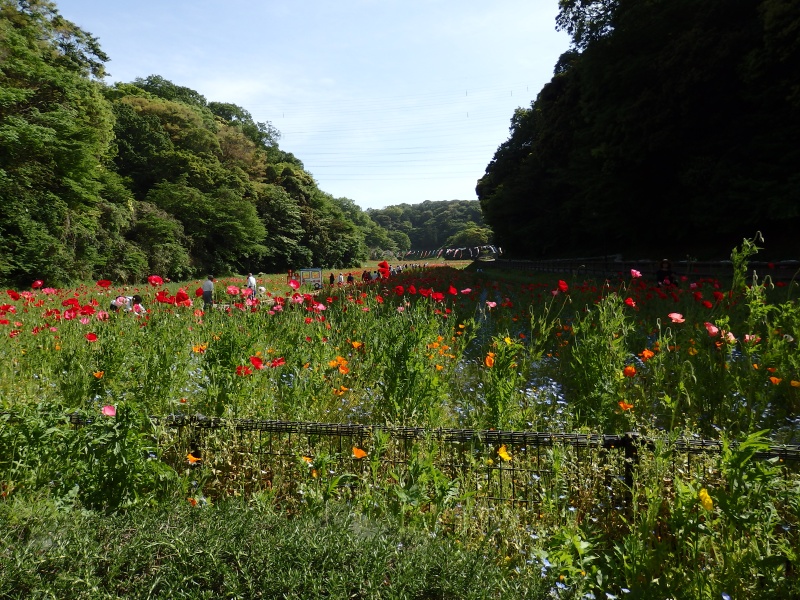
<point>491,304</point>
<point>466,290</point>
<point>109,411</point>
<point>635,273</point>
<point>676,317</point>
<point>294,284</point>
<point>712,329</point>
<point>232,290</point>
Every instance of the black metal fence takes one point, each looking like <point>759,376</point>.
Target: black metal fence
<point>614,265</point>
<point>521,467</point>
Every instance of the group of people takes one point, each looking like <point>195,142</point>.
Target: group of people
<point>665,276</point>
<point>127,303</point>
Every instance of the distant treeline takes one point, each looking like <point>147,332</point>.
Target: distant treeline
<point>147,177</point>
<point>432,225</point>
<point>670,127</point>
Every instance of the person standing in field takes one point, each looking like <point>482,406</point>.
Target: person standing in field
<point>252,285</point>
<point>208,292</point>
<point>664,275</point>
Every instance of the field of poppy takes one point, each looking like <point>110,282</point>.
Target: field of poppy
<point>435,347</point>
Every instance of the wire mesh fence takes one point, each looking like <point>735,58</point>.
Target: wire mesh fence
<point>523,468</point>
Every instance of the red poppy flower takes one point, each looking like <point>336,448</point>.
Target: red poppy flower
<point>92,337</point>
<point>182,298</point>
<point>398,289</point>
<point>629,301</point>
<point>12,294</point>
<point>155,280</point>
<point>37,284</point>
<point>279,362</point>
<point>452,291</point>
<point>379,299</point>
<point>562,286</point>
<point>257,362</point>
<point>412,290</point>
<point>437,296</point>
<point>243,371</point>
<point>104,283</point>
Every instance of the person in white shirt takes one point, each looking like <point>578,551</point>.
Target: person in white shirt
<point>252,285</point>
<point>208,292</point>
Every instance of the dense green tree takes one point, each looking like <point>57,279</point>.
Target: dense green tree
<point>670,125</point>
<point>55,129</point>
<point>145,177</point>
<point>427,225</point>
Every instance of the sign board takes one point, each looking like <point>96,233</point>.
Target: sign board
<point>311,277</point>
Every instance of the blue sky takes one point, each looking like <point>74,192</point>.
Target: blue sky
<point>384,101</point>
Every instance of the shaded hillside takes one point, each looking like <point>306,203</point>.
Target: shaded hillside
<point>669,128</point>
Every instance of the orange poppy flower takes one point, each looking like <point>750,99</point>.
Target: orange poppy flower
<point>489,360</point>
<point>98,374</point>
<point>192,458</point>
<point>358,453</point>
<point>629,371</point>
<point>624,405</point>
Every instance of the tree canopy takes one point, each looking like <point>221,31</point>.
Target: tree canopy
<point>148,176</point>
<point>670,125</point>
<point>431,224</point>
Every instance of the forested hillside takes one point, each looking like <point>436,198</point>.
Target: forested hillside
<point>145,177</point>
<point>431,224</point>
<point>670,127</point>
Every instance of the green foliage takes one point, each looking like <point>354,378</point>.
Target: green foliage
<point>619,151</point>
<point>431,225</point>
<point>236,550</point>
<point>145,177</point>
